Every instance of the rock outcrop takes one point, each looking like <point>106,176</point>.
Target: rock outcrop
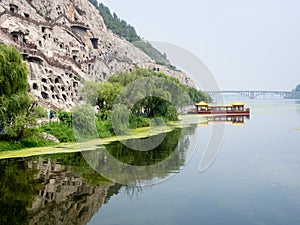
<point>65,43</point>
<point>49,137</point>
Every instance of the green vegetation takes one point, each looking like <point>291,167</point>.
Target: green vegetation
<point>15,103</point>
<point>130,100</point>
<point>146,158</point>
<point>30,140</point>
<point>18,188</point>
<point>153,53</point>
<point>121,28</point>
<point>18,110</point>
<point>125,79</point>
<point>20,183</point>
<point>133,100</point>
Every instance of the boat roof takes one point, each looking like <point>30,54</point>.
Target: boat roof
<point>231,105</point>
<point>202,104</point>
<point>237,104</point>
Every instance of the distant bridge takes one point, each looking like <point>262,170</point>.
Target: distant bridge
<point>254,94</point>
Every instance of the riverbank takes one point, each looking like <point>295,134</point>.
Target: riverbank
<point>137,133</point>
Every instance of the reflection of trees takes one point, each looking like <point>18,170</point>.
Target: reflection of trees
<point>64,189</point>
<point>17,189</point>
<point>145,158</point>
<point>134,168</point>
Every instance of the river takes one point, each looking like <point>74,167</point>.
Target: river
<point>254,177</point>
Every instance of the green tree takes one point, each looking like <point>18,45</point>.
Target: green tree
<point>90,92</point>
<point>13,72</point>
<point>120,119</point>
<point>167,93</point>
<point>65,117</point>
<point>101,94</point>
<point>16,105</point>
<point>84,122</point>
<point>108,94</point>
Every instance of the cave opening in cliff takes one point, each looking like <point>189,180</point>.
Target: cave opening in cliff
<point>65,97</point>
<point>57,80</point>
<point>95,42</point>
<point>44,95</point>
<point>35,86</point>
<point>13,8</point>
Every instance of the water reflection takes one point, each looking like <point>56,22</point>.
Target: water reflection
<point>123,165</point>
<point>64,189</point>
<point>59,189</point>
<point>227,119</point>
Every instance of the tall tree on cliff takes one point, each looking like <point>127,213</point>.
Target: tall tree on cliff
<point>15,103</point>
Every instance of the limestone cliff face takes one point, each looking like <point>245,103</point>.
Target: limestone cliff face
<point>64,43</point>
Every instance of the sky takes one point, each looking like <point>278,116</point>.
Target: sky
<point>249,45</point>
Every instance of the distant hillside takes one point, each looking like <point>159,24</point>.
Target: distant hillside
<point>121,28</point>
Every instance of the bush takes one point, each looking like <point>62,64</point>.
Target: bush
<point>65,117</point>
<point>63,132</point>
<point>104,128</point>
<point>32,139</point>
<point>35,140</point>
<point>120,119</point>
<point>138,121</point>
<point>40,112</point>
<point>84,122</point>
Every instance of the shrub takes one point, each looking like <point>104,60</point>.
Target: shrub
<point>63,132</point>
<point>65,117</point>
<point>104,128</point>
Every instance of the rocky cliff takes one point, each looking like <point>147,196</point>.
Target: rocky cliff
<point>64,43</point>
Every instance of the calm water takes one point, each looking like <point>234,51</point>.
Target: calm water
<point>255,178</point>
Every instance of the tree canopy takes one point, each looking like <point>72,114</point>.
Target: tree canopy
<point>13,72</point>
<point>15,103</point>
<point>144,92</point>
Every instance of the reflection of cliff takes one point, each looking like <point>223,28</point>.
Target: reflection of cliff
<point>60,190</point>
<point>63,189</point>
<point>64,197</point>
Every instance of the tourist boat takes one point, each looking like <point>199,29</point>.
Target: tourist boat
<point>236,108</point>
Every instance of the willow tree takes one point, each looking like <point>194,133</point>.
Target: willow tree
<point>13,72</point>
<point>15,102</point>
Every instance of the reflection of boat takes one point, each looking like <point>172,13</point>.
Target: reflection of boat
<point>236,108</point>
<point>231,119</point>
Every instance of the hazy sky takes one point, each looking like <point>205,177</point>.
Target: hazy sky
<point>251,45</point>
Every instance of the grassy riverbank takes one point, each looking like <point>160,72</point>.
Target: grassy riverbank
<point>69,147</point>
